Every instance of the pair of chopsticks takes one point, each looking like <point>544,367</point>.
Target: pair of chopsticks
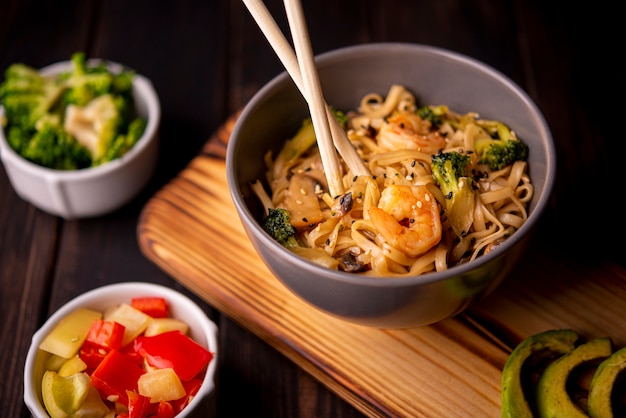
<point>300,65</point>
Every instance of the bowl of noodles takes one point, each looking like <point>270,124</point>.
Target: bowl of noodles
<point>456,165</point>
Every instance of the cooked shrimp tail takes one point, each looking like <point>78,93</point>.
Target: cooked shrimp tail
<point>407,217</point>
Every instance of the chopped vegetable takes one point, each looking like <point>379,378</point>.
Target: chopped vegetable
<point>116,374</point>
<point>54,362</point>
<point>161,385</point>
<point>499,147</point>
<point>72,366</point>
<point>63,396</point>
<point>191,388</point>
<point>161,325</point>
<point>165,410</point>
<point>133,320</point>
<point>604,380</point>
<point>155,307</point>
<point>68,335</point>
<point>138,405</point>
<point>277,223</point>
<point>553,400</point>
<point>106,335</point>
<point>174,350</point>
<point>451,172</point>
<point>516,403</point>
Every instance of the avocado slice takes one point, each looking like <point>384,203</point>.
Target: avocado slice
<point>553,400</point>
<point>602,384</point>
<point>544,345</point>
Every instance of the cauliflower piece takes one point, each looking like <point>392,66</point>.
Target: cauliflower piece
<point>93,125</point>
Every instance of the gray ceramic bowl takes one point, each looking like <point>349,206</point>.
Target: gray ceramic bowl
<point>436,76</point>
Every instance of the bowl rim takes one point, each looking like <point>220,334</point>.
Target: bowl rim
<point>397,281</point>
<point>208,329</point>
<point>142,86</point>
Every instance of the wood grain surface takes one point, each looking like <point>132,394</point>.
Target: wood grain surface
<point>191,230</point>
<point>207,59</point>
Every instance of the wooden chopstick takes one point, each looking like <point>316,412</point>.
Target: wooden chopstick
<point>313,90</point>
<point>285,53</point>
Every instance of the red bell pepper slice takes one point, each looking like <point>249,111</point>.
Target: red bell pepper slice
<point>116,374</point>
<point>166,410</point>
<point>138,405</point>
<point>176,350</point>
<point>105,334</point>
<point>154,306</point>
<point>92,356</point>
<point>129,351</point>
<point>191,388</point>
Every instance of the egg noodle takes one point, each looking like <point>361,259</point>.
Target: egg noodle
<point>398,221</point>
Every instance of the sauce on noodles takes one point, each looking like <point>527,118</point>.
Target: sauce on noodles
<point>395,222</point>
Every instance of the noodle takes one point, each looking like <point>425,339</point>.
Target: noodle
<point>399,222</point>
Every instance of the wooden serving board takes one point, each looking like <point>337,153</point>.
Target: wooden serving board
<point>191,230</point>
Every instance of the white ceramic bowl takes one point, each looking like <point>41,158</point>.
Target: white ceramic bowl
<point>92,191</point>
<point>202,330</point>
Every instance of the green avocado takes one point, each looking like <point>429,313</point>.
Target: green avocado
<point>602,383</point>
<point>553,400</point>
<point>542,346</point>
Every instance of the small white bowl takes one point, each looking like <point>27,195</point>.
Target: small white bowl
<point>202,330</point>
<point>93,191</point>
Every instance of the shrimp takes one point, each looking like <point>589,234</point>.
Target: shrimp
<point>407,217</point>
<point>409,131</point>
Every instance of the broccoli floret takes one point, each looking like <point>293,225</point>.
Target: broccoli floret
<point>501,148</point>
<point>450,171</point>
<point>432,114</point>
<point>50,146</point>
<point>341,117</point>
<point>85,83</point>
<point>27,96</point>
<point>277,223</point>
<point>121,144</point>
<point>498,154</point>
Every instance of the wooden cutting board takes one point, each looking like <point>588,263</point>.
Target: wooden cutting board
<point>190,229</point>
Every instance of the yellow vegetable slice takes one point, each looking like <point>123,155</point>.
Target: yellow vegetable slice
<point>553,400</point>
<point>133,320</point>
<point>70,333</point>
<point>546,344</point>
<point>93,407</point>
<point>161,385</point>
<point>54,362</point>
<point>72,366</point>
<point>63,396</point>
<point>602,383</point>
<point>160,325</point>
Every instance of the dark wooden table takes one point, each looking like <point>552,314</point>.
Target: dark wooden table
<point>207,58</point>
